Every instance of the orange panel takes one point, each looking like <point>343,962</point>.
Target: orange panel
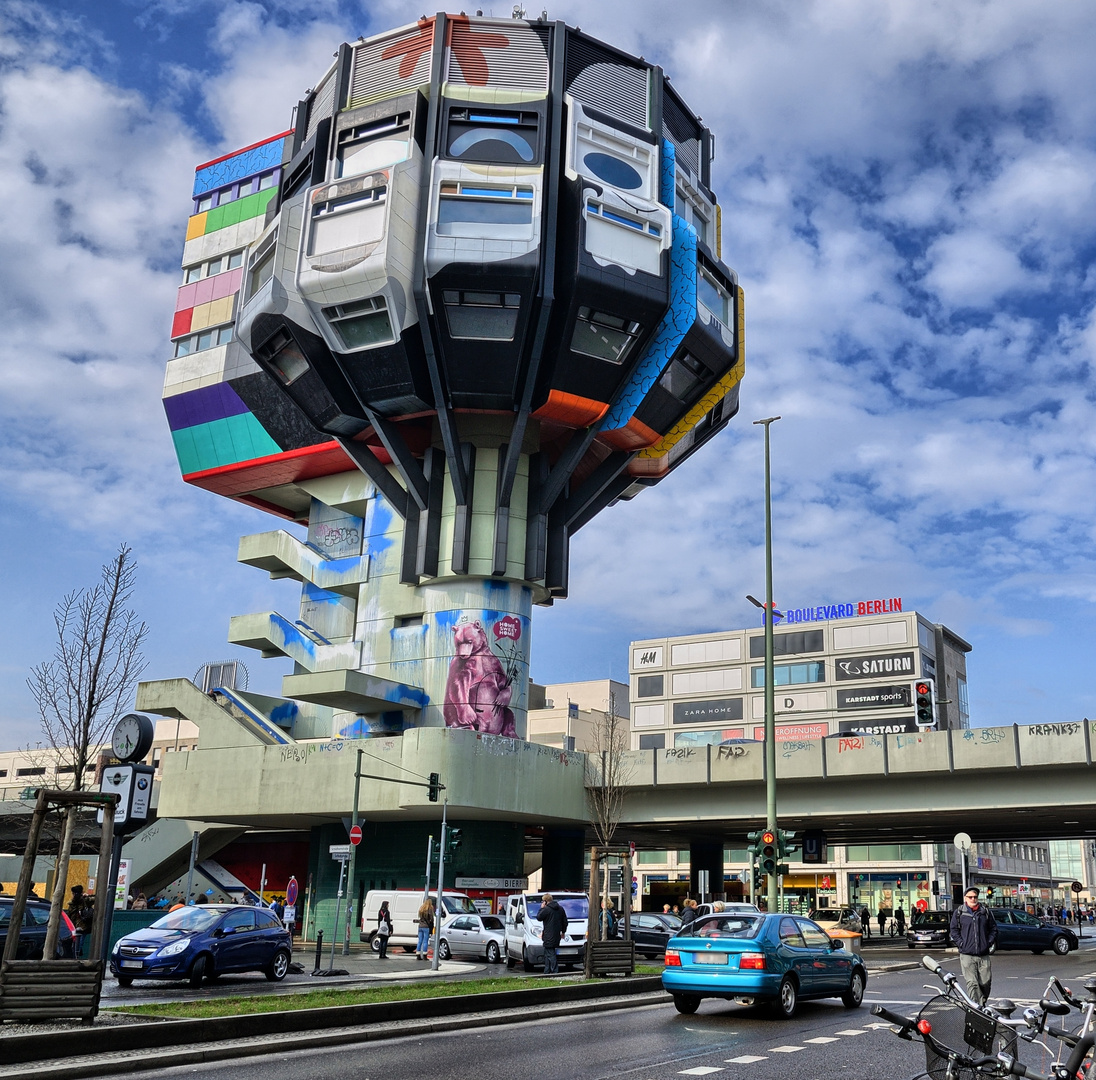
<point>571,409</point>
<point>659,466</point>
<point>635,435</point>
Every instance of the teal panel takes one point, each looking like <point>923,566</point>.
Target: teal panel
<point>222,442</point>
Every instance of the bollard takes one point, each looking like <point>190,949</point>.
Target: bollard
<point>319,950</point>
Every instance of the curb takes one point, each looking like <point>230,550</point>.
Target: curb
<point>173,1056</point>
<point>366,1021</point>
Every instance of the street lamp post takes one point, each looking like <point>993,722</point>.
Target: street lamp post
<point>770,696</point>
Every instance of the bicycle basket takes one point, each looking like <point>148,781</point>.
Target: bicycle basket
<point>956,1029</point>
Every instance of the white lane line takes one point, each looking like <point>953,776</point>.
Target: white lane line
<point>876,1027</point>
<point>822,1039</point>
<point>850,1031</point>
<point>785,1049</point>
<point>745,1059</point>
<point>700,1070</point>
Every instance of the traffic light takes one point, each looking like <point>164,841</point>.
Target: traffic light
<point>768,855</point>
<point>935,887</point>
<point>453,840</point>
<point>754,844</point>
<point>435,786</point>
<point>785,847</point>
<point>925,702</point>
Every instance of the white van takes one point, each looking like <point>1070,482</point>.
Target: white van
<point>524,932</point>
<point>403,906</point>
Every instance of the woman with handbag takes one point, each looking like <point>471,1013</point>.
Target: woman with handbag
<point>384,929</point>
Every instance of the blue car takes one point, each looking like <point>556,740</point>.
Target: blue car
<point>203,942</point>
<point>780,959</point>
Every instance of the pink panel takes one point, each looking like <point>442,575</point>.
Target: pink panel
<point>203,291</point>
<point>227,284</point>
<point>186,296</point>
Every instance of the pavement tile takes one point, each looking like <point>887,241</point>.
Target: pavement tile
<point>850,1031</point>
<point>700,1070</point>
<point>822,1039</point>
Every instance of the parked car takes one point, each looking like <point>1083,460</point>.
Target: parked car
<point>1018,930</point>
<point>735,907</point>
<point>930,929</point>
<point>837,918</point>
<point>480,936</point>
<point>203,942</point>
<point>32,934</point>
<point>650,931</point>
<point>780,959</point>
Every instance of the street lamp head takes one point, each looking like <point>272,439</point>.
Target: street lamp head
<point>767,421</point>
<point>756,603</point>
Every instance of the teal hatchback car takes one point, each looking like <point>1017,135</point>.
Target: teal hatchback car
<point>781,959</point>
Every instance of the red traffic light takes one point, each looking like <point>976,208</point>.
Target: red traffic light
<point>922,689</point>
<point>768,838</point>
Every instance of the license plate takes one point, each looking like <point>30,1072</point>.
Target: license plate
<point>710,957</point>
<point>132,964</point>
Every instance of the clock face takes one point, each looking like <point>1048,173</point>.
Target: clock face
<point>132,737</point>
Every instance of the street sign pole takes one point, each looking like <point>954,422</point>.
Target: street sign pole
<point>441,882</point>
<point>353,853</point>
<point>338,905</point>
<point>962,841</point>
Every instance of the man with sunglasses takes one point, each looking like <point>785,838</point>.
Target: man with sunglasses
<point>974,931</point>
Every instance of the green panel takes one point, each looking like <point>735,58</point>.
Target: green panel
<point>222,442</point>
<point>215,218</point>
<point>250,206</point>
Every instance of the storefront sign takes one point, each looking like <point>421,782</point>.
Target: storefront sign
<point>642,658</point>
<point>840,611</point>
<point>878,727</point>
<point>875,697</point>
<point>872,666</point>
<point>717,710</point>
<point>794,732</point>
<point>516,884</point>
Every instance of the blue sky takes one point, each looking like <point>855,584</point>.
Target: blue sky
<point>907,194</point>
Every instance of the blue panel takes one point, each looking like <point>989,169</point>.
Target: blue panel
<point>675,324</point>
<point>667,186</point>
<point>266,156</point>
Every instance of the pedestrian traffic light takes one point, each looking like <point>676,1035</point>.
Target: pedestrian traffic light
<point>754,844</point>
<point>435,786</point>
<point>768,854</point>
<point>935,887</point>
<point>785,847</point>
<point>453,840</point>
<point>925,702</point>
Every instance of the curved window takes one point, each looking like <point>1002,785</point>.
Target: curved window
<point>500,136</point>
<point>481,140</point>
<point>613,171</point>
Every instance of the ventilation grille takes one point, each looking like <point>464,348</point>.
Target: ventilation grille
<point>322,103</point>
<point>598,78</point>
<point>682,130</point>
<point>494,55</point>
<point>395,64</point>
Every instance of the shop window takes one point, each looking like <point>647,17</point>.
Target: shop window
<point>603,336</point>
<point>483,316</point>
<point>493,135</point>
<point>362,323</point>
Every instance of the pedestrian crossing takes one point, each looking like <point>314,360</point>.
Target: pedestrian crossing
<point>787,1048</point>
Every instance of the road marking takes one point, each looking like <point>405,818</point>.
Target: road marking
<point>785,1049</point>
<point>745,1059</point>
<point>850,1031</point>
<point>876,1027</point>
<point>700,1070</point>
<point>822,1039</point>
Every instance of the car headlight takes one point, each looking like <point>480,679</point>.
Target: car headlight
<point>538,930</point>
<point>175,947</point>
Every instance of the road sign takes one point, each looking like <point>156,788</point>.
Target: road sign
<point>922,905</point>
<point>962,841</point>
<point>356,835</point>
<point>291,893</point>
<point>1076,887</point>
<point>339,851</point>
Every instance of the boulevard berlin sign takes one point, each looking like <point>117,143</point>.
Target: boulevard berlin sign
<point>840,611</point>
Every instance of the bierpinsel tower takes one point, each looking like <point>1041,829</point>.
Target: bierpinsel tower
<point>471,298</point>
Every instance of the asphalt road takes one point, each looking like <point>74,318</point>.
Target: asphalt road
<point>825,1041</point>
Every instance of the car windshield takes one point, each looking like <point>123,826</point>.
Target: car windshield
<point>492,922</point>
<point>929,918</point>
<point>724,926</point>
<point>577,907</point>
<point>458,905</point>
<point>826,915</point>
<point>187,918</point>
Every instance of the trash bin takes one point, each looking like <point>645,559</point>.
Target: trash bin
<point>848,939</point>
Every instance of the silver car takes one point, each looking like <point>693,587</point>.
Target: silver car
<point>479,936</point>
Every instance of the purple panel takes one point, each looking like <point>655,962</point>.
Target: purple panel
<point>201,406</point>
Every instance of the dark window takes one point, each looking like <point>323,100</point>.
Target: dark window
<point>789,644</point>
<point>30,772</point>
<point>652,742</point>
<point>482,315</point>
<point>267,920</point>
<point>603,336</point>
<point>493,135</point>
<point>361,323</point>
<point>238,922</point>
<point>685,378</point>
<point>649,686</point>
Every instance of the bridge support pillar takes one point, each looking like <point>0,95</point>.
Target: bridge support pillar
<point>706,855</point>
<point>564,850</point>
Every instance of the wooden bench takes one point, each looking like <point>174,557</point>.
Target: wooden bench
<point>612,957</point>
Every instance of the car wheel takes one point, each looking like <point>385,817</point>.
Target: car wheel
<point>852,997</point>
<point>124,980</point>
<point>375,943</point>
<point>909,944</point>
<point>278,966</point>
<point>493,955</point>
<point>1061,945</point>
<point>197,971</point>
<point>686,1004</point>
<point>525,961</point>
<point>787,999</point>
<point>443,949</point>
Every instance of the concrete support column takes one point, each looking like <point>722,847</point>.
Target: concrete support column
<point>563,859</point>
<point>706,855</point>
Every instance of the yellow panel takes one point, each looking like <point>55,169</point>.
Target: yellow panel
<point>711,398</point>
<point>212,314</point>
<point>196,226</point>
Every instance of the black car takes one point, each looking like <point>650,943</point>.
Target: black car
<point>1018,930</point>
<point>929,929</point>
<point>651,931</point>
<point>32,934</point>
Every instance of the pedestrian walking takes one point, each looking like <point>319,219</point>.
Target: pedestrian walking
<point>384,929</point>
<point>688,913</point>
<point>865,921</point>
<point>882,920</point>
<point>555,926</point>
<point>974,931</point>
<point>426,928</point>
<point>900,919</point>
<point>608,920</point>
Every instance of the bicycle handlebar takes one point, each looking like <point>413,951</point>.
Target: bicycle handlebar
<point>905,1024</point>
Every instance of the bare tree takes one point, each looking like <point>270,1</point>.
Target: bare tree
<point>96,663</point>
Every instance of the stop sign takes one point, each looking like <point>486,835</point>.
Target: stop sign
<point>356,835</point>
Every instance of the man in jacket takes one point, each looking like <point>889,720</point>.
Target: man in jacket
<point>974,931</point>
<point>555,926</point>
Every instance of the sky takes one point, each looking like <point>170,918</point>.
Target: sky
<point>907,191</point>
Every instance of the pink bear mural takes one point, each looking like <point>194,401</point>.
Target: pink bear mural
<point>478,690</point>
